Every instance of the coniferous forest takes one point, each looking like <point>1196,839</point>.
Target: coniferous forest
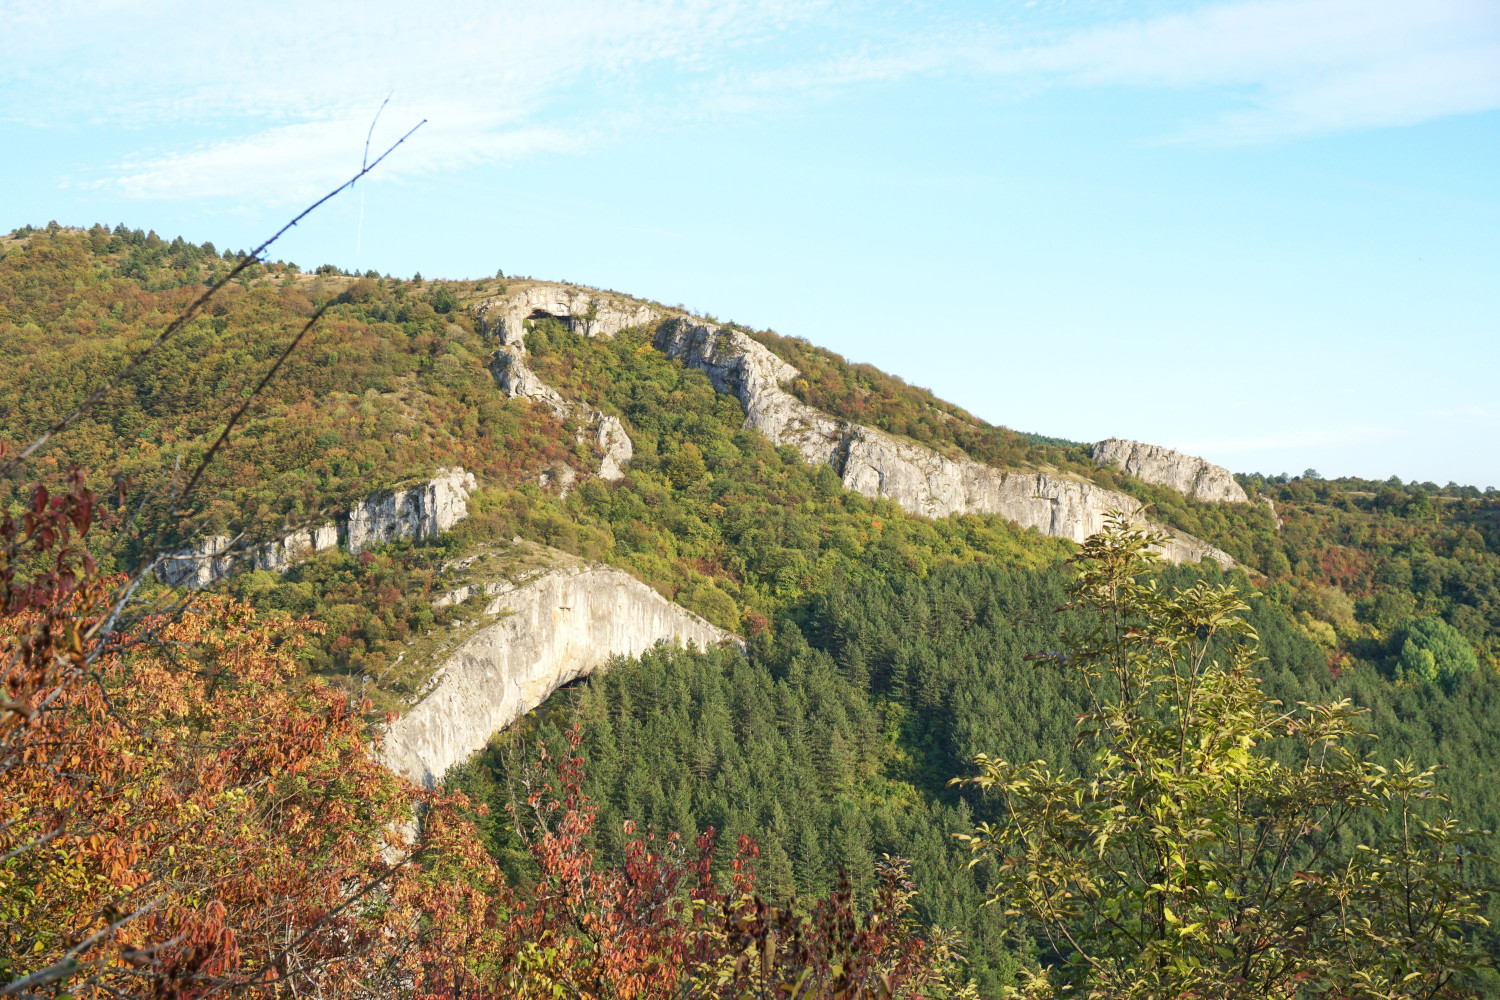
<point>193,801</point>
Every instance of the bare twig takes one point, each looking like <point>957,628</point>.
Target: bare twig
<point>364,164</point>
<point>29,845</point>
<point>65,966</point>
<point>192,310</point>
<point>224,435</point>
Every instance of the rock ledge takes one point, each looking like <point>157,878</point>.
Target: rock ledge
<point>556,628</point>
<point>1187,474</point>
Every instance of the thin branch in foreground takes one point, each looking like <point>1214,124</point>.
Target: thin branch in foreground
<point>196,306</point>
<point>224,435</point>
<point>65,966</point>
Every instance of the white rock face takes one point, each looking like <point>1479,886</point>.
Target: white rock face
<point>738,365</point>
<point>561,626</point>
<point>515,376</point>
<point>278,556</point>
<point>198,565</point>
<point>876,464</point>
<point>421,512</point>
<point>1187,474</point>
<point>586,311</point>
<point>424,511</point>
<point>593,314</point>
<point>1182,547</point>
<point>617,448</point>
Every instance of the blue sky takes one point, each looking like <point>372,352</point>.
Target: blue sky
<point>1265,232</point>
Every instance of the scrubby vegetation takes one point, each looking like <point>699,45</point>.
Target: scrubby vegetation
<point>1354,560</point>
<point>886,651</point>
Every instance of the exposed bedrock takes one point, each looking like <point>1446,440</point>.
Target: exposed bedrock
<point>590,313</point>
<point>587,311</point>
<point>424,511</point>
<point>1187,474</point>
<point>419,512</point>
<point>873,463</point>
<point>556,628</point>
<point>278,556</point>
<point>738,365</point>
<point>879,465</point>
<point>199,564</point>
<point>518,381</point>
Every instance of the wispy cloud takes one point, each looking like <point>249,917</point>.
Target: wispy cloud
<point>291,95</point>
<point>1297,65</point>
<point>288,89</point>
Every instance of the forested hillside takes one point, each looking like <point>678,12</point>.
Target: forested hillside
<point>885,651</point>
<point>836,741</point>
<point>390,388</point>
<point>1353,559</point>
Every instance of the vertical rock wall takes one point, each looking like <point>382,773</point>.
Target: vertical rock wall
<point>198,565</point>
<point>557,628</point>
<point>278,556</point>
<point>590,313</point>
<point>424,511</point>
<point>879,465</point>
<point>1187,474</point>
<point>873,463</point>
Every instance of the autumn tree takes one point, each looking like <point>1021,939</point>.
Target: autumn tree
<point>656,922</point>
<point>180,811</point>
<point>1212,853</point>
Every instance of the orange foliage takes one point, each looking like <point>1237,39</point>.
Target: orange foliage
<point>182,814</point>
<point>177,808</point>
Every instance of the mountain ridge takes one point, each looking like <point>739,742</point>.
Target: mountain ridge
<point>869,461</point>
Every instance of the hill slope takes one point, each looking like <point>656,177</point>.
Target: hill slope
<point>723,468</point>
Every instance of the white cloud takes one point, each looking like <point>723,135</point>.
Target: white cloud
<point>1300,65</point>
<point>289,88</point>
<point>292,94</point>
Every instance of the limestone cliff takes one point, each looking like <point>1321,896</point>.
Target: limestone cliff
<point>424,511</point>
<point>1187,474</point>
<point>588,312</point>
<point>554,629</point>
<point>420,512</point>
<point>873,463</point>
<point>879,465</point>
<point>200,564</point>
<point>738,365</point>
<point>278,556</point>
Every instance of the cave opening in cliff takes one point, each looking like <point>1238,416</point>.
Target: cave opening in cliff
<point>541,319</point>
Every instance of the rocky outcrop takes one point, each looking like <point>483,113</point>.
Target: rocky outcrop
<point>556,628</point>
<point>424,511</point>
<point>591,313</point>
<point>585,310</point>
<point>609,434</point>
<point>740,366</point>
<point>1187,474</point>
<point>278,556</point>
<point>518,381</point>
<point>869,461</point>
<point>200,564</point>
<point>516,378</point>
<point>1182,547</point>
<point>925,482</point>
<point>879,465</point>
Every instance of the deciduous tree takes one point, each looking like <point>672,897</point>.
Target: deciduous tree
<point>1210,853</point>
